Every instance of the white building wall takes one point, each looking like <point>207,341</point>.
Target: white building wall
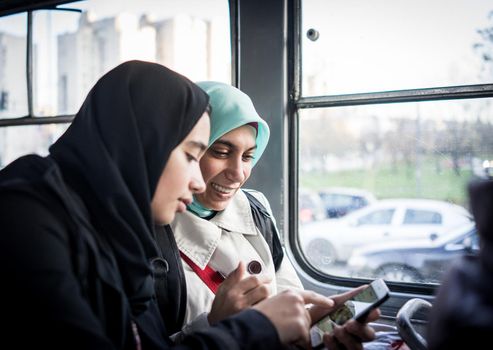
<point>97,47</point>
<point>13,66</point>
<point>182,46</point>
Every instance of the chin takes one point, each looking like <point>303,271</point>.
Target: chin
<point>222,207</point>
<point>217,205</point>
<point>165,220</point>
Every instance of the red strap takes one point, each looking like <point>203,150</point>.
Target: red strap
<point>210,277</point>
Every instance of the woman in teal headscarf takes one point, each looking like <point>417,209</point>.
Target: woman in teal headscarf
<point>219,236</point>
<point>218,233</point>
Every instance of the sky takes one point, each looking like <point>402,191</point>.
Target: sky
<point>381,45</point>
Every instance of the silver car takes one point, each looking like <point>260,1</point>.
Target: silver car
<point>333,240</point>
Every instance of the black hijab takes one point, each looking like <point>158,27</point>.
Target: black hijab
<point>113,155</point>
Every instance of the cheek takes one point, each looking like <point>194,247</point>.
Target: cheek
<point>247,171</point>
<point>209,169</point>
<point>165,191</point>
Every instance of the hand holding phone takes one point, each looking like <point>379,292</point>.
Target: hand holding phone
<point>357,307</point>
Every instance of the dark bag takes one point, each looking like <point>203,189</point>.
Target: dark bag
<point>267,228</point>
<point>169,280</point>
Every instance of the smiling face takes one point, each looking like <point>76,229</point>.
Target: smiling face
<point>181,177</point>
<point>226,166</point>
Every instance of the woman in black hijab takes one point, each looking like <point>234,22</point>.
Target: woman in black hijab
<point>77,230</point>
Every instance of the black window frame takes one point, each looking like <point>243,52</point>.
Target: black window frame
<point>297,102</point>
<point>10,7</point>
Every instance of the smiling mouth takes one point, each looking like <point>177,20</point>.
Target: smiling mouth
<point>222,189</point>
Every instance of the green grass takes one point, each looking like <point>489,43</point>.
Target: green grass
<point>386,182</point>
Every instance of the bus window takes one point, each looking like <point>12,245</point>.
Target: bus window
<point>16,141</point>
<point>13,89</point>
<point>380,113</point>
<point>75,44</point>
<point>380,45</point>
<point>383,107</point>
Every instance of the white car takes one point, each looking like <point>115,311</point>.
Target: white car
<point>333,240</point>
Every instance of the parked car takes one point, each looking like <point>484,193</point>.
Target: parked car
<point>339,201</point>
<point>310,207</point>
<point>328,241</point>
<point>422,261</point>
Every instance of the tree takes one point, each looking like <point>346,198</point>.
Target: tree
<point>485,47</point>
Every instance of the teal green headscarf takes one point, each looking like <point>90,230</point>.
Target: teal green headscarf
<point>231,108</point>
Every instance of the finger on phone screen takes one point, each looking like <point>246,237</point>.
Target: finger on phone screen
<point>340,299</point>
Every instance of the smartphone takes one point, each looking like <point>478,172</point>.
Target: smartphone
<point>358,308</point>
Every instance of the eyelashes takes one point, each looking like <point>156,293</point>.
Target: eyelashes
<point>224,155</point>
<point>191,158</point>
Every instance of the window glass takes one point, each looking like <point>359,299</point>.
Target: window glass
<point>380,45</point>
<point>413,158</point>
<point>191,37</point>
<point>310,206</point>
<point>16,141</point>
<point>71,50</point>
<point>339,199</point>
<point>416,217</point>
<point>380,217</point>
<point>13,88</point>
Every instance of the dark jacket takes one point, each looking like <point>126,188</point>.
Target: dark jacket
<point>77,233</point>
<point>64,300</point>
<point>462,313</point>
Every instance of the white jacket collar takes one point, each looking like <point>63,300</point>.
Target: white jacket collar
<point>198,238</point>
<point>237,217</point>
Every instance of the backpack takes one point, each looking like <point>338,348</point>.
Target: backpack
<point>267,228</point>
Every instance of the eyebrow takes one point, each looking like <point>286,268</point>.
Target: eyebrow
<point>231,145</point>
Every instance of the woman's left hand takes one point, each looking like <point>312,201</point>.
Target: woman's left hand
<point>351,334</point>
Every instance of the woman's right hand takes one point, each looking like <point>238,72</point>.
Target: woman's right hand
<point>288,313</point>
<point>238,292</point>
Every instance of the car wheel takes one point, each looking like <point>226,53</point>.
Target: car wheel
<point>320,253</point>
<point>398,273</point>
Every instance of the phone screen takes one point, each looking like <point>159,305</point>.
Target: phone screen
<point>357,307</point>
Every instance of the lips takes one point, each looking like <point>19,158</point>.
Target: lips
<point>182,207</point>
<point>187,201</point>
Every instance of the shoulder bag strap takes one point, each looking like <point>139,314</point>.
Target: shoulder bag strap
<point>266,226</point>
<point>210,277</point>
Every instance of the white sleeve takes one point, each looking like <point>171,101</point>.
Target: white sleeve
<point>286,276</point>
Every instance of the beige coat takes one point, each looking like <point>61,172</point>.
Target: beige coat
<point>222,242</point>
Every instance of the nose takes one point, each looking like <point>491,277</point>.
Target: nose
<point>197,184</point>
<point>235,171</point>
